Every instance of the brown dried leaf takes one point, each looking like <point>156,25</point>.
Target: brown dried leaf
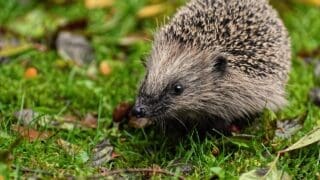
<point>70,118</point>
<point>139,122</point>
<point>31,134</point>
<point>90,121</point>
<point>121,112</point>
<point>151,10</point>
<point>309,56</point>
<point>92,4</point>
<point>70,122</point>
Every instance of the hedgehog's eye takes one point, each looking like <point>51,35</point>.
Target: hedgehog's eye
<point>178,89</point>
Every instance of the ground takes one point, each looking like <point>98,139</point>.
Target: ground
<point>59,89</point>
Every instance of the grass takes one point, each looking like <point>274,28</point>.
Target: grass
<point>61,90</point>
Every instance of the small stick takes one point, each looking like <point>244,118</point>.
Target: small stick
<point>110,173</point>
<point>37,171</point>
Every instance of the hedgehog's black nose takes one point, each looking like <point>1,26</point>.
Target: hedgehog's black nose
<point>138,111</point>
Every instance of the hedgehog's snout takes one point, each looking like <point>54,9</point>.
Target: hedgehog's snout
<point>138,111</point>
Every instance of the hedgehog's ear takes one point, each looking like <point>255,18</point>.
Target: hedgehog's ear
<point>220,64</point>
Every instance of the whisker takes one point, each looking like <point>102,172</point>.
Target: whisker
<point>175,116</point>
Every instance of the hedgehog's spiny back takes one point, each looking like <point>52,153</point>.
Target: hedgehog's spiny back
<point>249,31</point>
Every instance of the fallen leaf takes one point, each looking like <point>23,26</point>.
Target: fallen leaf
<point>70,148</point>
<point>31,134</point>
<point>309,55</point>
<point>74,47</point>
<point>25,116</point>
<point>265,173</point>
<point>121,112</point>
<point>69,122</point>
<point>139,122</point>
<point>308,139</point>
<point>12,51</point>
<point>70,118</point>
<point>89,121</point>
<point>92,4</point>
<point>30,73</point>
<point>63,123</point>
<point>287,128</point>
<point>73,150</point>
<point>36,23</point>
<point>105,68</point>
<point>102,153</point>
<point>151,10</point>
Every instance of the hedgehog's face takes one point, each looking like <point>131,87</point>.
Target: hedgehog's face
<point>153,104</point>
<point>176,85</point>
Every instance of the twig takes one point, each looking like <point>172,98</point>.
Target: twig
<point>142,170</point>
<point>37,171</point>
<point>109,173</point>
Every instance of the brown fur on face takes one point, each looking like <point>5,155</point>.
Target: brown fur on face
<point>232,59</point>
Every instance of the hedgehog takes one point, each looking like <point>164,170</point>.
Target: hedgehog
<point>215,64</point>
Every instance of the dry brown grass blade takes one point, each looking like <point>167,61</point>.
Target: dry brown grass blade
<point>92,4</point>
<point>151,10</point>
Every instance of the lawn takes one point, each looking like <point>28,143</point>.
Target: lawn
<point>34,76</point>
